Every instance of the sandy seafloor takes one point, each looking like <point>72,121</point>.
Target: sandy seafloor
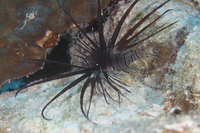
<point>143,113</point>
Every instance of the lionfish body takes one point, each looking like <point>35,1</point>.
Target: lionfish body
<point>101,59</point>
<point>110,61</point>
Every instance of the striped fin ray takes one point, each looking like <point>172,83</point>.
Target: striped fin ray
<point>122,62</point>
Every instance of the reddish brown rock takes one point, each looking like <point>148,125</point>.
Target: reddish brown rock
<point>23,23</point>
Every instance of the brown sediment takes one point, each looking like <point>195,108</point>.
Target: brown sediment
<point>23,23</point>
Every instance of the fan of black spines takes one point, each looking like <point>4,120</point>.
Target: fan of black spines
<point>101,59</point>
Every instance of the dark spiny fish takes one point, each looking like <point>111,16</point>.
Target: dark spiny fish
<point>100,59</point>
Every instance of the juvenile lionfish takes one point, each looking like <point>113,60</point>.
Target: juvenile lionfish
<point>100,59</point>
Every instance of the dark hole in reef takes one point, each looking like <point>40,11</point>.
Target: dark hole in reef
<point>177,111</point>
<point>58,53</point>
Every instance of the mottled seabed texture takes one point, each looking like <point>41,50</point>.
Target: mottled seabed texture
<point>166,99</point>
